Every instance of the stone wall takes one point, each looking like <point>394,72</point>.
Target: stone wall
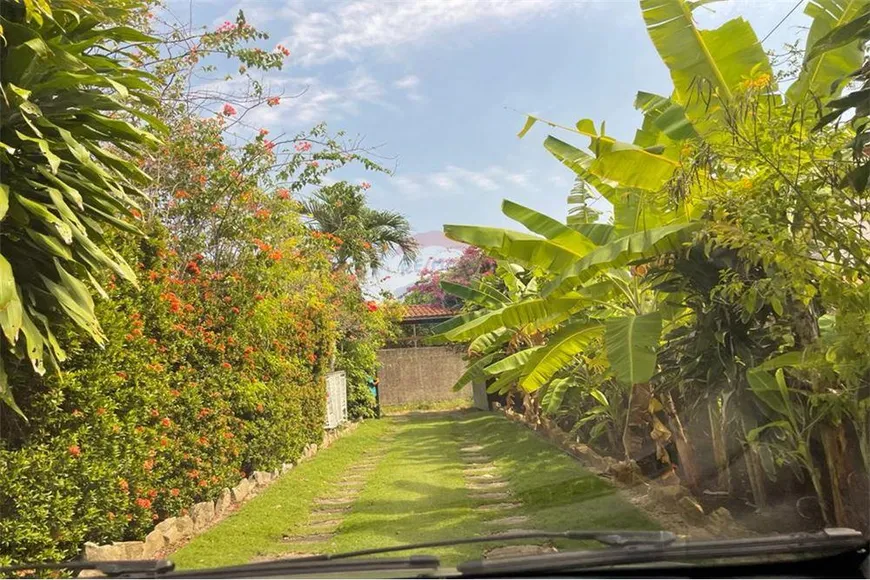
<point>419,375</point>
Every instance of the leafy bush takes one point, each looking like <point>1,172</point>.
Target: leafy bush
<point>65,141</point>
<point>203,378</point>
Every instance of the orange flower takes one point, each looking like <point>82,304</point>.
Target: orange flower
<point>166,422</point>
<point>122,483</point>
<point>74,450</point>
<point>143,502</point>
<point>226,365</point>
<point>174,492</point>
<point>155,413</point>
<point>148,464</point>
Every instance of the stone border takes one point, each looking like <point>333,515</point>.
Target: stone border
<point>174,531</point>
<point>663,499</point>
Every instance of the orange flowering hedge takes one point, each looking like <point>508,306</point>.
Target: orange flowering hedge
<point>204,378</point>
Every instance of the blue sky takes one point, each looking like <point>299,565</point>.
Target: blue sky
<point>439,87</point>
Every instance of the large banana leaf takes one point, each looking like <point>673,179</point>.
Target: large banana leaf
<point>504,382</point>
<point>661,116</point>
<point>552,399</point>
<point>703,63</point>
<point>600,234</point>
<point>579,162</point>
<point>552,229</point>
<point>483,297</point>
<point>644,244</point>
<point>631,343</point>
<point>474,372</point>
<point>820,71</point>
<point>625,163</point>
<point>559,351</point>
<point>530,312</point>
<point>490,340</point>
<point>511,362</point>
<point>524,249</point>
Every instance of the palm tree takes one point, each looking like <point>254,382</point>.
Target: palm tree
<point>367,235</point>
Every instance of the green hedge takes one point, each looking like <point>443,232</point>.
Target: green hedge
<point>204,378</point>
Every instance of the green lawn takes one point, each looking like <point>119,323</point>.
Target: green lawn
<point>417,492</point>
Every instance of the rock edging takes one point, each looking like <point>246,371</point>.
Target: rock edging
<point>174,531</point>
<point>664,499</point>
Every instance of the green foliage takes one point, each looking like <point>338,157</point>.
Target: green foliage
<point>190,390</point>
<point>69,139</point>
<point>365,235</point>
<point>738,236</point>
<point>214,365</point>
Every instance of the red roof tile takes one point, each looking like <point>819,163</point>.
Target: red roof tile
<point>427,311</point>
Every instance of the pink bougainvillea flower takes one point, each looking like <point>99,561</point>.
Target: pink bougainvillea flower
<point>365,185</point>
<point>229,110</point>
<point>303,146</point>
<point>272,101</point>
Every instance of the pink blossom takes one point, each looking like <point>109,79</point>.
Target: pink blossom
<point>229,110</point>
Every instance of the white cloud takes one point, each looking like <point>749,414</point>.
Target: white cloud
<point>318,100</point>
<point>459,180</point>
<point>406,185</point>
<point>408,82</point>
<point>409,85</point>
<point>442,181</point>
<point>342,31</point>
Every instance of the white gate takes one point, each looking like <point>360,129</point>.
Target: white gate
<point>336,399</point>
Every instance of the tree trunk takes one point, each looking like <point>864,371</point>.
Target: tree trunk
<point>637,422</point>
<point>754,470</point>
<point>720,445</point>
<point>688,466</point>
<point>835,461</point>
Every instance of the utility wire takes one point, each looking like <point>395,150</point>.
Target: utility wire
<point>784,18</point>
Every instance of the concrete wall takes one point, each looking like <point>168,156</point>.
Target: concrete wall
<point>419,375</point>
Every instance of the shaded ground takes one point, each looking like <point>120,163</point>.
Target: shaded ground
<point>416,478</point>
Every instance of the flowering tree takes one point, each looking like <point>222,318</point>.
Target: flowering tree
<point>471,266</point>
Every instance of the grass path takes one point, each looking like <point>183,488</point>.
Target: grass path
<point>413,479</point>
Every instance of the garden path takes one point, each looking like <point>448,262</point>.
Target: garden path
<point>418,478</point>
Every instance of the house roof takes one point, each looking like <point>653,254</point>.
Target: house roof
<point>426,311</point>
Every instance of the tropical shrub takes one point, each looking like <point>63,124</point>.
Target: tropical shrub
<point>737,225</point>
<point>67,136</point>
<point>213,366</point>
